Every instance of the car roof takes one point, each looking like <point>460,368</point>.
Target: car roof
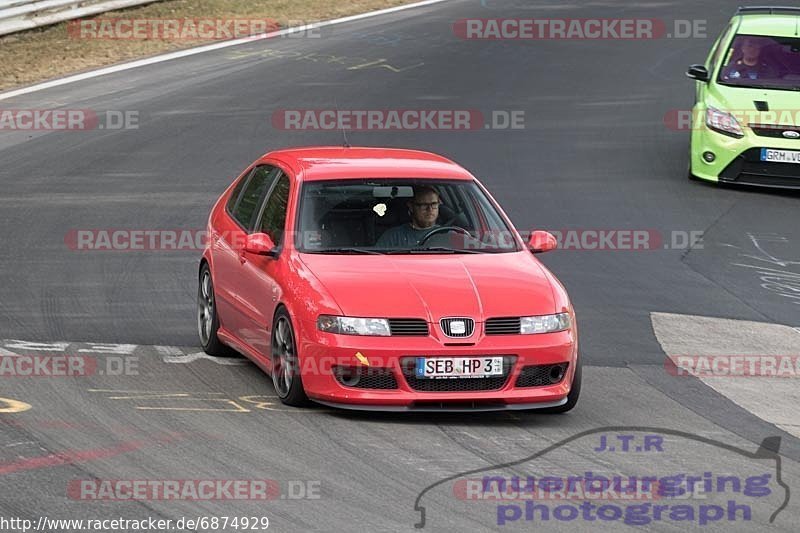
<point>782,22</point>
<point>338,162</point>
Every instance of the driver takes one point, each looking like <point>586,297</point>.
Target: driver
<point>424,210</point>
<point>752,65</point>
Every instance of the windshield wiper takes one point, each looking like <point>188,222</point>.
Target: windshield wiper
<point>437,249</point>
<point>346,250</point>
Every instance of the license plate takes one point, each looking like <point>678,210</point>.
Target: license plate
<point>780,156</point>
<point>458,367</point>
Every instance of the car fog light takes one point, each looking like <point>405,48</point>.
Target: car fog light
<point>709,157</point>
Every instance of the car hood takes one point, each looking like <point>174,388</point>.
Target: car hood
<point>742,101</point>
<point>435,286</point>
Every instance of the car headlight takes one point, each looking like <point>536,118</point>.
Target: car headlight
<point>544,323</point>
<point>347,325</point>
<point>723,122</point>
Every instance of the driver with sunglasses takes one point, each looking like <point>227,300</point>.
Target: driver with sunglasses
<point>424,210</point>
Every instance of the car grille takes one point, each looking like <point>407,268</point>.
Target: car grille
<point>748,169</point>
<point>408,327</point>
<point>503,326</point>
<point>447,326</point>
<point>365,378</point>
<point>541,375</point>
<point>770,130</point>
<point>408,365</point>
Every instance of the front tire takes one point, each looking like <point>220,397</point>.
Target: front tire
<point>286,376</point>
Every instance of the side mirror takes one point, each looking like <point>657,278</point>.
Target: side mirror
<point>698,72</point>
<point>542,241</point>
<point>259,244</point>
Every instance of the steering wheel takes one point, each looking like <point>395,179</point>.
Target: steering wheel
<point>443,229</point>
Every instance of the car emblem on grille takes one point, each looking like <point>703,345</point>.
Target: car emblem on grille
<point>457,327</point>
<point>791,134</point>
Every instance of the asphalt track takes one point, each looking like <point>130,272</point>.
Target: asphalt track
<point>595,154</point>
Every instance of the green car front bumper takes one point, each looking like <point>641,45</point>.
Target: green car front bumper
<point>739,160</point>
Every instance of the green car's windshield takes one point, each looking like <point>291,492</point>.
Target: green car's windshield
<point>400,216</point>
<point>762,62</point>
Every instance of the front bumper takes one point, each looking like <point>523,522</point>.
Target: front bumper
<point>385,360</point>
<point>738,160</point>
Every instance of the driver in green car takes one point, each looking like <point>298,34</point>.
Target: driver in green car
<point>751,66</point>
<point>424,210</point>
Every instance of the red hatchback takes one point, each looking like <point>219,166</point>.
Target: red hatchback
<point>384,279</point>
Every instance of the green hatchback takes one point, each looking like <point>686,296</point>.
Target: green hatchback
<point>746,120</point>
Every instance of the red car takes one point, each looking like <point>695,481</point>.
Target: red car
<point>384,279</point>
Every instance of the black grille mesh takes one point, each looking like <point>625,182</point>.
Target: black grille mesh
<point>503,326</point>
<point>769,130</point>
<point>408,327</point>
<point>366,378</point>
<point>541,375</point>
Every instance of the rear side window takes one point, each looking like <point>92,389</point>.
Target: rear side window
<point>237,191</point>
<point>273,221</point>
<point>250,199</point>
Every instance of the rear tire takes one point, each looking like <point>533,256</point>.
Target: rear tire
<point>286,376</point>
<point>574,392</point>
<point>207,318</point>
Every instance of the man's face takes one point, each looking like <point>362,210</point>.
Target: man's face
<point>751,49</point>
<point>424,209</point>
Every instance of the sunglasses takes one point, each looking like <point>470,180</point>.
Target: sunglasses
<point>427,205</point>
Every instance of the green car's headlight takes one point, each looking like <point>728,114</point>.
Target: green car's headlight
<point>544,323</point>
<point>346,325</point>
<point>723,122</point>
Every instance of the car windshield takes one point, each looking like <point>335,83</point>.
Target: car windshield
<point>762,62</point>
<point>400,216</point>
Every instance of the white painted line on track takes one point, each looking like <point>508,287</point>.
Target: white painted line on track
<point>206,48</point>
<point>190,358</point>
<point>167,354</point>
<point>168,350</point>
<point>773,399</point>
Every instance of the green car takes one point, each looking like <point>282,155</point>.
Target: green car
<point>745,124</point>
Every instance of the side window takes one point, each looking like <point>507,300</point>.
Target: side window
<point>721,49</point>
<point>273,220</point>
<point>237,191</point>
<point>258,185</point>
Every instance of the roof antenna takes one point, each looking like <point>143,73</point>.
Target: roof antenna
<point>346,142</point>
<point>344,131</point>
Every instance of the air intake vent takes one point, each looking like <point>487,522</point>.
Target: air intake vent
<point>541,375</point>
<point>365,378</point>
<point>503,326</point>
<point>408,327</point>
<point>761,105</point>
